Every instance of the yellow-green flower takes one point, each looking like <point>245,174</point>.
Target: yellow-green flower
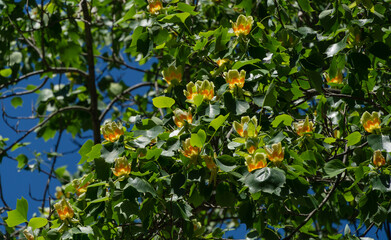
<point>275,153</point>
<point>242,26</point>
<point>256,162</point>
<point>64,209</point>
<point>181,116</point>
<point>247,127</point>
<point>370,122</point>
<point>190,151</point>
<point>172,73</point>
<point>122,167</point>
<point>154,6</point>
<point>206,89</point>
<point>302,127</point>
<point>378,159</point>
<point>234,78</point>
<point>112,131</point>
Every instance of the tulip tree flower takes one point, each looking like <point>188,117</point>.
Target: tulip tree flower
<point>172,74</point>
<point>275,153</point>
<point>256,162</point>
<point>378,159</point>
<point>112,131</point>
<point>204,88</point>
<point>247,127</point>
<point>338,79</point>
<point>121,168</point>
<point>242,26</point>
<point>302,127</point>
<point>64,209</point>
<point>181,116</point>
<point>370,122</point>
<point>234,78</point>
<point>190,151</point>
<point>155,6</point>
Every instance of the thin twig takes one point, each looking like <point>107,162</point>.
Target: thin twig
<point>26,92</point>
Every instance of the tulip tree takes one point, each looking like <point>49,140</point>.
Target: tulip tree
<point>272,114</point>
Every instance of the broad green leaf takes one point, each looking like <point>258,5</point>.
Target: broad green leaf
<point>336,47</point>
<point>353,138</point>
<point>198,99</point>
<point>224,195</point>
<point>86,148</point>
<point>142,186</point>
<point>111,151</point>
<point>334,167</point>
<point>268,180</point>
<point>19,215</point>
<point>316,80</point>
<point>6,72</point>
<point>270,96</point>
<point>240,64</point>
<point>284,118</point>
<point>94,153</point>
<point>226,163</point>
<point>382,183</point>
<point>380,50</point>
<point>218,122</point>
<point>17,102</point>
<point>102,199</point>
<point>22,160</point>
<point>128,15</point>
<point>163,102</point>
<point>242,107</point>
<point>305,5</point>
<point>37,222</point>
<point>186,8</point>
<point>379,142</point>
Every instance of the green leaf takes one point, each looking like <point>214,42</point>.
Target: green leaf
<point>336,47</point>
<point>242,107</point>
<point>111,151</point>
<point>17,102</point>
<point>142,186</point>
<point>382,183</point>
<point>128,15</point>
<point>86,148</point>
<point>353,138</point>
<point>240,64</point>
<point>284,118</point>
<point>226,163</point>
<point>305,5</point>
<point>270,96</point>
<point>6,72</point>
<point>379,142</point>
<point>268,180</point>
<point>94,153</point>
<point>163,102</point>
<point>224,196</point>
<point>218,122</point>
<point>175,18</point>
<point>198,99</point>
<point>22,160</point>
<point>102,199</point>
<point>380,50</point>
<point>187,8</point>
<point>316,80</point>
<point>37,222</point>
<point>334,167</point>
<point>19,215</point>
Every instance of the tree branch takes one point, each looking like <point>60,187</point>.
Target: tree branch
<point>26,92</point>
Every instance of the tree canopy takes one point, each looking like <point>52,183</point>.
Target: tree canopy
<point>273,114</point>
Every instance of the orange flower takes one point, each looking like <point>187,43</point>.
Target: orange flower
<point>378,159</point>
<point>172,73</point>
<point>122,167</point>
<point>180,117</point>
<point>234,78</point>
<point>247,127</point>
<point>221,62</point>
<point>155,6</point>
<point>338,79</point>
<point>64,209</point>
<point>252,144</point>
<point>303,126</point>
<point>256,162</point>
<point>370,122</point>
<point>112,131</point>
<point>204,88</point>
<point>242,26</point>
<point>190,151</point>
<point>276,153</point>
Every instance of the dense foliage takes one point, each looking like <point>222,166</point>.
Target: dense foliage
<point>271,113</point>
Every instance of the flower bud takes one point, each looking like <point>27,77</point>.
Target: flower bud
<point>256,162</point>
<point>370,122</point>
<point>234,78</point>
<point>155,6</point>
<point>242,26</point>
<point>122,167</point>
<point>378,159</point>
<point>276,153</point>
<point>112,131</point>
<point>28,235</point>
<point>190,151</point>
<point>180,117</point>
<point>172,73</point>
<point>303,126</point>
<point>247,127</point>
<point>64,209</point>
